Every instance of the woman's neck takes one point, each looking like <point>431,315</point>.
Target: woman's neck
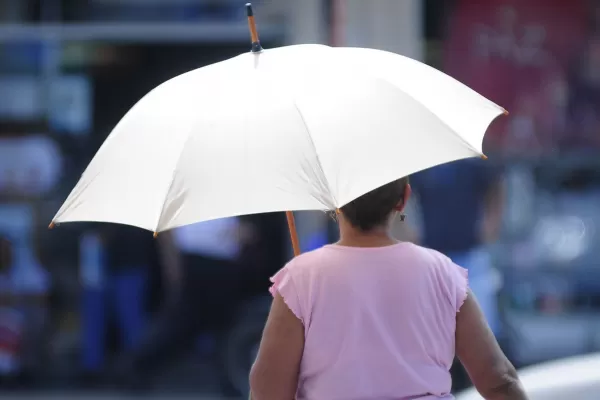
<point>378,237</point>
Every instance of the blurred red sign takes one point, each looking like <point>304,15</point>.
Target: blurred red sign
<point>540,59</point>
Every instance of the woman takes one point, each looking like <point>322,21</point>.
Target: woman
<point>373,318</point>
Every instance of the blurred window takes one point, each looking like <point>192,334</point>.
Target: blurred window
<point>25,275</point>
<point>539,60</point>
<point>13,11</point>
<point>153,10</point>
<point>29,165</point>
<point>21,57</point>
<point>21,98</point>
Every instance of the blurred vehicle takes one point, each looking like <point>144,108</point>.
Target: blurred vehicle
<point>551,293</point>
<point>570,378</point>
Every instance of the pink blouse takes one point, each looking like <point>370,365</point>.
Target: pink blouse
<point>379,323</point>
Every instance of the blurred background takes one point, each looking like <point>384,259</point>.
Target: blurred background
<point>102,309</point>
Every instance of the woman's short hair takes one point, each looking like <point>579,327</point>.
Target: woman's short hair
<point>373,209</point>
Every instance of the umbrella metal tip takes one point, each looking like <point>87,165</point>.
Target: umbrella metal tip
<point>484,157</point>
<point>505,112</point>
<point>51,225</point>
<point>155,235</point>
<point>249,9</point>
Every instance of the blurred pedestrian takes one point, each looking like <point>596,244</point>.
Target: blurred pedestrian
<point>24,287</point>
<point>203,298</point>
<point>584,100</point>
<point>461,213</point>
<point>11,334</point>
<point>115,265</point>
<point>372,318</point>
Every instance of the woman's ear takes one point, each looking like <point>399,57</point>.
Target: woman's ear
<point>407,192</point>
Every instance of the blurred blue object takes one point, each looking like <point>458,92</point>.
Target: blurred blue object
<point>91,262</point>
<point>71,104</point>
<point>121,293</point>
<point>313,242</point>
<point>21,57</point>
<point>481,282</point>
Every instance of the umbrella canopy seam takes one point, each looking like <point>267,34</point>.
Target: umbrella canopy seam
<point>429,111</point>
<point>312,143</point>
<point>162,209</point>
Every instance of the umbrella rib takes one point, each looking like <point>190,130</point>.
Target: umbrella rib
<point>499,109</point>
<point>312,143</point>
<point>73,197</point>
<point>183,146</point>
<point>456,134</point>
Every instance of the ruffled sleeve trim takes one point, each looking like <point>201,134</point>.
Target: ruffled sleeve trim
<point>283,284</point>
<point>462,287</point>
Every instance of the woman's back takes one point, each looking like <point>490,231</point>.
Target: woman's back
<point>379,322</point>
<point>371,318</point>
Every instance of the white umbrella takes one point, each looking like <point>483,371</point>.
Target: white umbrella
<point>305,127</point>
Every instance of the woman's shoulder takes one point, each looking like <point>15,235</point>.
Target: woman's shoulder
<point>308,260</point>
<point>432,262</point>
<point>312,264</point>
<point>431,255</point>
<point>293,280</point>
<point>452,278</point>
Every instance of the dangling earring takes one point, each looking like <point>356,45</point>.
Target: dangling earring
<point>402,217</point>
<point>333,214</point>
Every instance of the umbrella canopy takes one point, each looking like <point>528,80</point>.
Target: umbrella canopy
<point>305,127</point>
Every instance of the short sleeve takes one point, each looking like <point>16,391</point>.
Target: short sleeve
<point>283,284</point>
<point>459,284</point>
<point>453,280</point>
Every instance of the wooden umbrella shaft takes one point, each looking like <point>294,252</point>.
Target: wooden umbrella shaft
<point>256,47</point>
<point>253,32</point>
<point>293,232</point>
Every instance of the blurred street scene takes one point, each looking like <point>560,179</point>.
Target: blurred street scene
<point>107,311</point>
